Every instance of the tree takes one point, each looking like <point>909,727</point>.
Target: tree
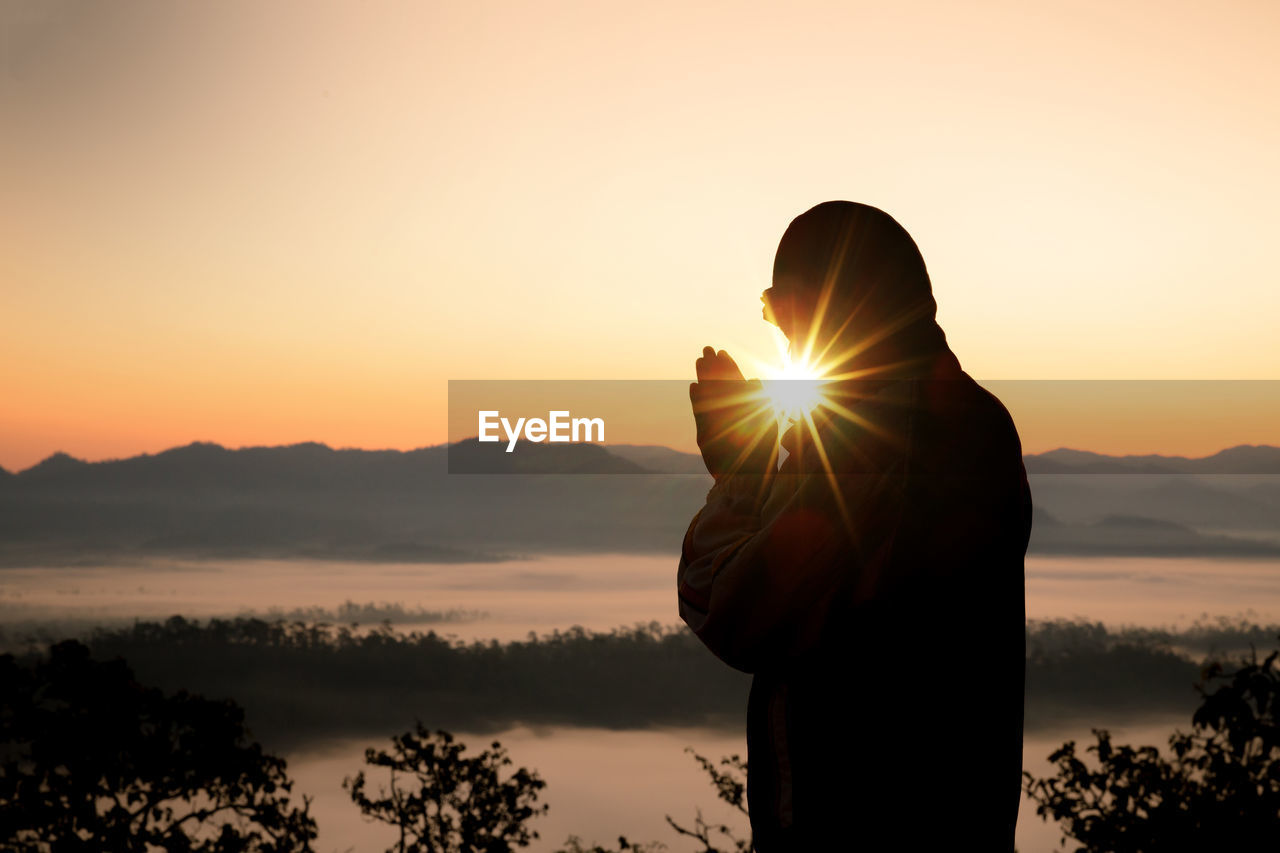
<point>574,845</point>
<point>91,760</point>
<point>731,787</point>
<point>1218,789</point>
<point>445,802</point>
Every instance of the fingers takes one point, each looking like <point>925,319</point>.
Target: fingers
<point>707,367</point>
<point>703,365</point>
<point>716,366</point>
<point>729,366</point>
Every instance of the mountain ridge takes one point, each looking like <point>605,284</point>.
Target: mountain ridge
<point>1238,459</point>
<point>311,500</point>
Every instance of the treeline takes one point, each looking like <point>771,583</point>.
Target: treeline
<point>350,612</point>
<point>20,632</point>
<point>92,759</point>
<point>304,681</point>
<point>1204,637</point>
<point>301,681</point>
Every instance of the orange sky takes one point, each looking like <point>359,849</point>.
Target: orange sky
<point>265,223</point>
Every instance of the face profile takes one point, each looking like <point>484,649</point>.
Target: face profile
<point>789,306</point>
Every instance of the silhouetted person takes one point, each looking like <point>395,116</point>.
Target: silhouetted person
<point>873,583</point>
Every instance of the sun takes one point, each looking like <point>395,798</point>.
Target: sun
<point>794,389</point>
<point>793,386</point>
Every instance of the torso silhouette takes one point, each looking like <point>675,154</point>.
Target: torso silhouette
<point>875,591</point>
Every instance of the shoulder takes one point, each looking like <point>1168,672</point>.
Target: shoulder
<point>993,414</point>
<point>969,423</point>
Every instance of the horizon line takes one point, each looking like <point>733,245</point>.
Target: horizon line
<point>326,446</point>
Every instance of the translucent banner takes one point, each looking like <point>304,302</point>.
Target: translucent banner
<point>1069,427</point>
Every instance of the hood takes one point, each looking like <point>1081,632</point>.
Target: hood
<point>879,301</point>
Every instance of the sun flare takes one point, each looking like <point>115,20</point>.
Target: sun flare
<point>794,389</point>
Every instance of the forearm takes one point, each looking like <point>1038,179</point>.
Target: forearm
<point>748,585</point>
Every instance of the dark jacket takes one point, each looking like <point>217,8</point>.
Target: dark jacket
<point>874,587</point>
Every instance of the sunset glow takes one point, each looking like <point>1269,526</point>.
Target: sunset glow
<point>264,223</point>
<point>623,384</point>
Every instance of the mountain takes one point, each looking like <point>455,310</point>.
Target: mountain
<point>659,459</point>
<point>1132,535</point>
<point>1233,490</point>
<point>1244,459</point>
<point>309,500</point>
<point>473,457</point>
<point>1214,502</point>
<point>442,503</point>
<point>1199,504</point>
<point>58,465</point>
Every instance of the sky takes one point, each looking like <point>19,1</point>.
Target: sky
<point>258,223</point>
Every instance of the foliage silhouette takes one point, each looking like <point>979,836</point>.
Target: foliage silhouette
<point>301,682</point>
<point>731,787</point>
<point>574,845</point>
<point>1218,789</point>
<point>92,760</point>
<point>445,802</point>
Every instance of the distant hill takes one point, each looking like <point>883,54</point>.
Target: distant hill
<point>1135,535</point>
<point>310,500</point>
<point>53,466</point>
<point>1237,489</point>
<point>659,459</point>
<point>1245,459</point>
<point>472,457</point>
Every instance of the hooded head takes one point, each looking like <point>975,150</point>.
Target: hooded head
<point>851,292</point>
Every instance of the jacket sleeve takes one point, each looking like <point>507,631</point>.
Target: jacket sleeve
<point>757,587</point>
